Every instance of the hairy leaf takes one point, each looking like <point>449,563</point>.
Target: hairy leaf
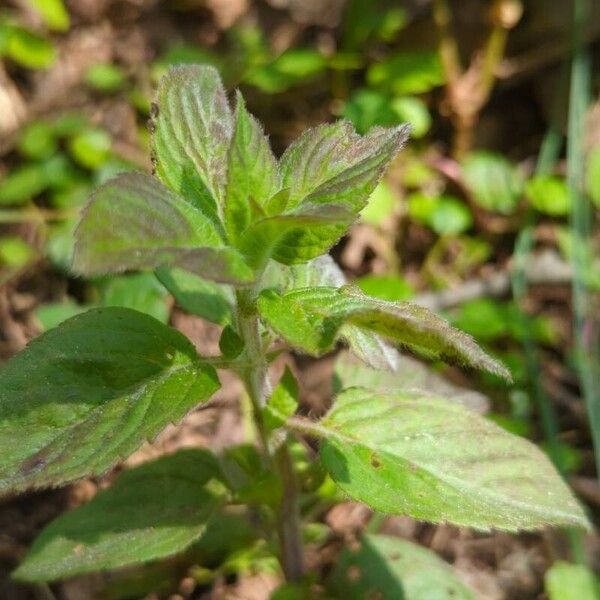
<point>151,511</point>
<point>432,459</point>
<point>390,568</point>
<point>295,237</point>
<point>134,222</point>
<point>253,174</point>
<point>311,320</point>
<point>323,271</point>
<point>333,164</point>
<point>89,392</point>
<point>207,299</point>
<point>192,133</point>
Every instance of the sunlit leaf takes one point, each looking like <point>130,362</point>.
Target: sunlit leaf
<point>548,194</point>
<point>191,135</point>
<point>88,393</point>
<point>134,222</point>
<point>151,511</point>
<point>566,581</point>
<point>390,568</point>
<point>253,175</point>
<point>53,12</point>
<point>310,320</point>
<point>434,460</point>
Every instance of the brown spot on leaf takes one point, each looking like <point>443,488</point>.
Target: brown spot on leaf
<point>353,573</point>
<point>375,462</point>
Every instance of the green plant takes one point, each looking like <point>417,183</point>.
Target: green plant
<point>239,237</point>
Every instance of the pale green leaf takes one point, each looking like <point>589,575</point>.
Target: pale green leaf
<point>389,568</point>
<point>549,194</point>
<point>494,181</point>
<point>134,222</point>
<point>432,459</point>
<point>151,511</point>
<point>207,299</point>
<point>253,174</point>
<point>88,393</point>
<point>333,164</point>
<point>310,319</point>
<point>566,581</point>
<point>192,133</point>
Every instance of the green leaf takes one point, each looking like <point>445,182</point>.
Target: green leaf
<point>390,568</point>
<point>380,206</point>
<point>230,343</point>
<point>432,459</point>
<point>91,148</point>
<point>495,183</point>
<point>446,215</point>
<point>88,393</point>
<point>332,164</point>
<point>192,133</point>
<point>15,253</point>
<point>295,237</point>
<point>38,140</point>
<point>408,72</point>
<point>105,77</point>
<point>310,319</point>
<point>23,184</point>
<point>53,12</point>
<point>29,49</point>
<point>549,194</point>
<point>198,296</point>
<point>323,271</point>
<point>413,111</point>
<point>592,176</point>
<point>138,291</point>
<point>134,222</point>
<point>564,581</point>
<point>283,402</point>
<point>253,175</point>
<point>386,287</point>
<point>150,511</point>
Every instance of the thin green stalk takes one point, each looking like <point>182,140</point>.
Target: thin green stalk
<point>256,381</point>
<point>586,349</point>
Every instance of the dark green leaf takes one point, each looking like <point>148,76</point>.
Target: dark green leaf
<point>151,511</point>
<point>310,320</point>
<point>198,296</point>
<point>89,392</point>
<point>390,568</point>
<point>432,459</point>
<point>230,343</point>
<point>134,222</point>
<point>192,133</point>
<point>252,175</point>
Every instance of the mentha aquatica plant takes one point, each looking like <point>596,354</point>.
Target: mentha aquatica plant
<point>241,238</point>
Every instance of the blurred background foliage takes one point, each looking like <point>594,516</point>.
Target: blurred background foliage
<point>489,216</point>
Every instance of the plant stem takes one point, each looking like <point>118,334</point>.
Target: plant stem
<point>256,381</point>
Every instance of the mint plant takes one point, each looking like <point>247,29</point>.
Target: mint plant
<point>240,239</point>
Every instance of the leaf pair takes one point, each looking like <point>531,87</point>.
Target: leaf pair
<point>225,205</point>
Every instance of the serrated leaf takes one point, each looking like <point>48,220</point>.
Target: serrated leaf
<point>283,402</point>
<point>192,133</point>
<point>252,174</point>
<point>323,271</point>
<point>390,568</point>
<point>332,164</point>
<point>150,511</point>
<point>88,393</point>
<point>134,222</point>
<point>432,459</point>
<point>198,296</point>
<point>310,319</point>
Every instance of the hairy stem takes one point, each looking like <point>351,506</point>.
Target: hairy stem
<point>256,381</point>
